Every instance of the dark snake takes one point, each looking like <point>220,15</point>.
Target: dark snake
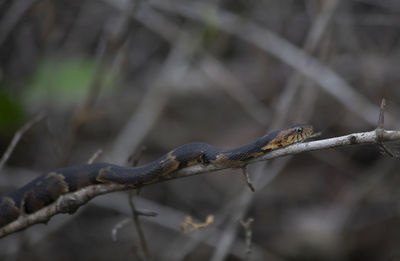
<point>45,189</point>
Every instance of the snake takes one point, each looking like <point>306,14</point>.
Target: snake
<point>47,188</point>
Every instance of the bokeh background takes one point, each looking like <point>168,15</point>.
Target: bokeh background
<point>146,76</point>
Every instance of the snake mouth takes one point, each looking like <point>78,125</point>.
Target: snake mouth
<point>312,136</point>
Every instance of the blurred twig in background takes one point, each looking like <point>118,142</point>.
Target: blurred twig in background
<point>247,227</point>
<point>268,41</point>
<point>18,135</point>
<point>153,101</point>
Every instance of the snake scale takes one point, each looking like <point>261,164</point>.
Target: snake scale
<point>45,189</point>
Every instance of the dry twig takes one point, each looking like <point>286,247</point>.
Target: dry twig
<point>136,213</point>
<point>95,156</point>
<point>380,131</point>
<point>235,88</point>
<point>136,221</point>
<point>248,234</point>
<point>18,135</point>
<point>114,231</point>
<point>188,225</point>
<point>248,180</point>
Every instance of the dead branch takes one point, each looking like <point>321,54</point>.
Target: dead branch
<point>78,198</point>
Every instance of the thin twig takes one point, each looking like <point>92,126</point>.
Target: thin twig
<point>136,213</point>
<point>95,156</point>
<point>114,231</point>
<point>80,197</point>
<point>248,180</point>
<point>18,135</point>
<point>381,119</point>
<point>136,221</point>
<point>235,88</point>
<point>380,131</point>
<point>12,16</point>
<point>134,159</point>
<point>123,223</point>
<point>248,234</point>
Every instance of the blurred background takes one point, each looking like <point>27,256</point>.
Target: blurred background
<point>146,76</point>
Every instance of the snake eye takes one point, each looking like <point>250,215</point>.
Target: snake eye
<point>299,130</point>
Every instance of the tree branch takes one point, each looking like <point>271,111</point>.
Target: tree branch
<point>74,200</point>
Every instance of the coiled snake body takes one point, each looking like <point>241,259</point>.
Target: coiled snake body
<point>45,189</point>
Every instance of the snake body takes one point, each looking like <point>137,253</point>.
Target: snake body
<point>45,189</point>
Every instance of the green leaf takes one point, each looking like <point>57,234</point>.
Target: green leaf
<point>61,81</point>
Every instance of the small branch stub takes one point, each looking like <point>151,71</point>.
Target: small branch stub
<point>380,131</point>
<point>247,177</point>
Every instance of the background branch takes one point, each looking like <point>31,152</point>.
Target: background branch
<point>18,135</point>
<point>327,80</point>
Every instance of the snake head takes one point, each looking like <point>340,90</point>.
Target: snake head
<point>297,133</point>
<point>300,133</point>
<point>289,136</point>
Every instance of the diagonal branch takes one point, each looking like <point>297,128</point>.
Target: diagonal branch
<point>327,79</point>
<point>63,203</point>
<point>18,135</point>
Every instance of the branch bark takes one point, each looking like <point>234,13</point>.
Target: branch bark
<point>75,199</point>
